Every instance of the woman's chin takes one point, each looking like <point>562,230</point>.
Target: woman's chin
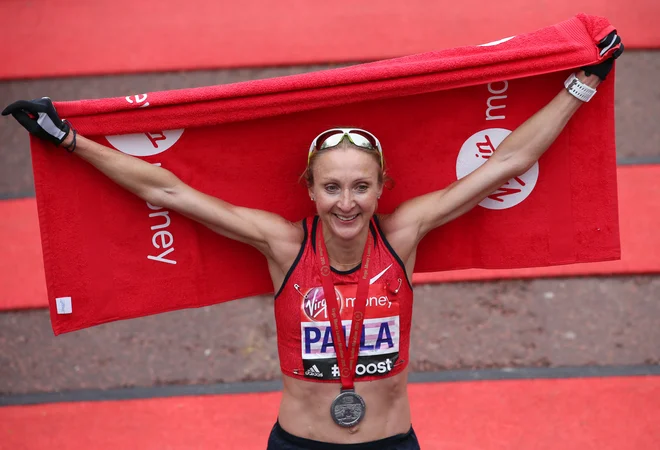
<point>347,229</point>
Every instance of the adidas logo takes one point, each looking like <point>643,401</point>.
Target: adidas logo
<point>314,372</point>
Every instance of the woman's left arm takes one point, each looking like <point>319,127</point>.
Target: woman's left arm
<point>408,224</point>
<point>515,155</point>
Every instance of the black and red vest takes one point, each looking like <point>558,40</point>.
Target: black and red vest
<point>305,343</point>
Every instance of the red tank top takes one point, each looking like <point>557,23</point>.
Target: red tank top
<point>304,339</point>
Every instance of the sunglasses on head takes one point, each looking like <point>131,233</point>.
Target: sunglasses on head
<point>356,136</point>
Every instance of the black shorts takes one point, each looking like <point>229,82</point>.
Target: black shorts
<point>281,440</point>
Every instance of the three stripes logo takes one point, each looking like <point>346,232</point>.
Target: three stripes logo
<point>314,372</point>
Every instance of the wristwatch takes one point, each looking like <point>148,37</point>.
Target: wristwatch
<point>578,89</point>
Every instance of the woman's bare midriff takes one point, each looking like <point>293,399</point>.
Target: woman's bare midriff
<point>305,410</point>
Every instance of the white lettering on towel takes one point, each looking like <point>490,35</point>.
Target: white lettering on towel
<point>497,96</point>
<point>162,239</point>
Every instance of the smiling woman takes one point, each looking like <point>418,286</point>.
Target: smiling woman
<point>343,303</point>
<point>346,190</point>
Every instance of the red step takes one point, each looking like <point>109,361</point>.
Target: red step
<point>617,413</point>
<point>127,36</point>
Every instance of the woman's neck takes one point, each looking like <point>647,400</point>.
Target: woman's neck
<point>345,253</point>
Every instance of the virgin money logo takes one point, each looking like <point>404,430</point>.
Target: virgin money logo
<point>145,144</point>
<point>139,100</point>
<point>315,305</point>
<point>476,151</point>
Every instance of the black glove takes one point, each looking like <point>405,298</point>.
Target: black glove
<point>609,42</point>
<point>39,118</point>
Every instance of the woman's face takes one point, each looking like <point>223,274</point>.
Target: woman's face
<point>346,190</point>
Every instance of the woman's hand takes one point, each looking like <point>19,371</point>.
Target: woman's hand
<point>40,119</point>
<point>610,43</point>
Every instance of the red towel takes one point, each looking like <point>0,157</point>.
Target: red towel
<point>109,255</point>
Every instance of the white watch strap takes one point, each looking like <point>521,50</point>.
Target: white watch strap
<point>578,89</point>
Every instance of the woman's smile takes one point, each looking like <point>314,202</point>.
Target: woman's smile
<point>345,218</point>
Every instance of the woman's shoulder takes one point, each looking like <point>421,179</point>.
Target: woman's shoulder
<point>386,223</point>
<point>285,246</point>
<point>398,233</point>
<point>295,232</point>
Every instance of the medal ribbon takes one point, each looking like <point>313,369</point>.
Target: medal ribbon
<point>347,353</point>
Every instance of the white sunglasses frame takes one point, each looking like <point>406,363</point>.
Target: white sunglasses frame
<point>346,132</point>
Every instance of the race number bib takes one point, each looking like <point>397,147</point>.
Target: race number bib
<point>379,340</point>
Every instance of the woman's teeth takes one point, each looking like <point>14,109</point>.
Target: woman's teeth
<point>346,218</point>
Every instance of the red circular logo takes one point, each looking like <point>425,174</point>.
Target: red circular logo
<point>315,306</point>
<point>325,271</point>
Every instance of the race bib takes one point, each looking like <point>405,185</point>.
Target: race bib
<point>379,340</point>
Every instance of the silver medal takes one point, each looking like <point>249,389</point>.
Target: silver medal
<point>348,408</point>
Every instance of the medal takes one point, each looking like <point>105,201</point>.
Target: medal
<point>348,408</point>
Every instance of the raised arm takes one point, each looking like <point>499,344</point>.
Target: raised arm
<point>271,234</point>
<point>161,187</point>
<point>514,156</point>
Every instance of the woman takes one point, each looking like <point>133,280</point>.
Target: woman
<point>346,264</point>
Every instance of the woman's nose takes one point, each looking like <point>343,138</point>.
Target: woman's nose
<point>346,200</point>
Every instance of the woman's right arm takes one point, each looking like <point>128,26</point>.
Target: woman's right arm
<point>160,187</point>
<point>278,239</point>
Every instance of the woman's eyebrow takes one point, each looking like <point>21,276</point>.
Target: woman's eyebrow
<point>362,181</point>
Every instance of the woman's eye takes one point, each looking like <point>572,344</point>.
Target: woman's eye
<point>362,188</point>
<point>331,188</point>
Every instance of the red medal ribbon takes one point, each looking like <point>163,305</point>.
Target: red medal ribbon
<point>347,355</point>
